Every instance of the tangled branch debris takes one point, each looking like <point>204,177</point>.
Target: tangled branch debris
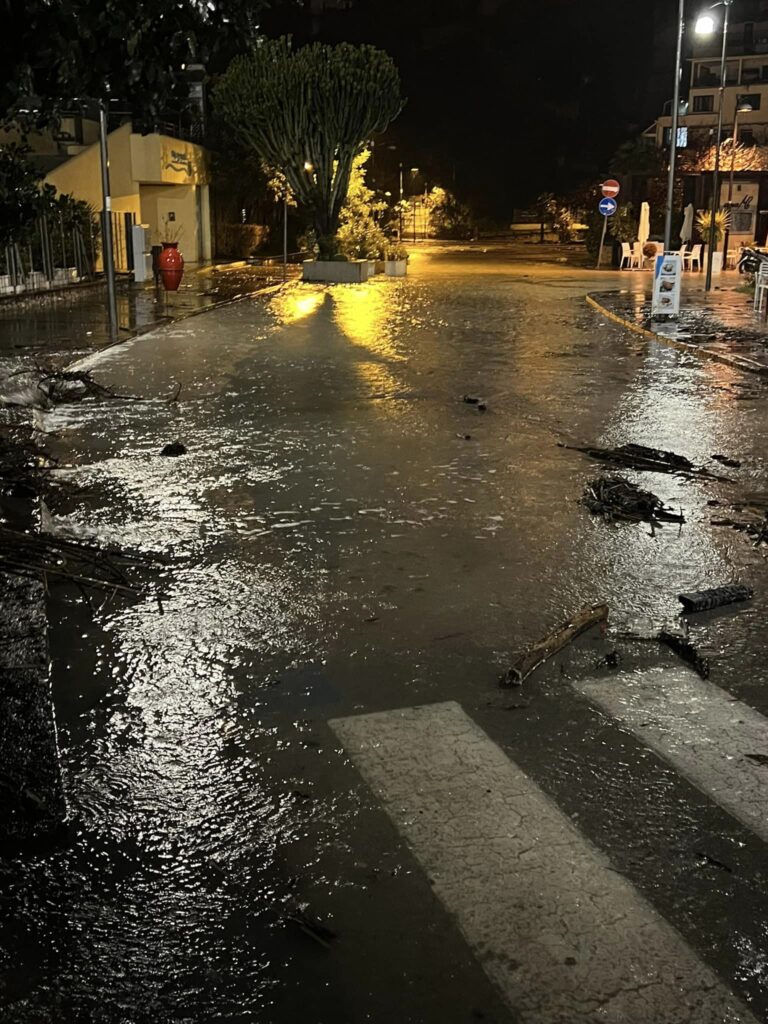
<point>23,467</point>
<point>87,565</point>
<point>615,497</point>
<point>552,643</point>
<point>640,457</point>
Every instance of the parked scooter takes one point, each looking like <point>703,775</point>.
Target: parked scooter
<point>751,260</point>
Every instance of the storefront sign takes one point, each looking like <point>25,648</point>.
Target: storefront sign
<point>667,277</point>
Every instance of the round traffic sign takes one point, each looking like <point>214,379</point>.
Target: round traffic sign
<point>607,206</point>
<point>611,188</point>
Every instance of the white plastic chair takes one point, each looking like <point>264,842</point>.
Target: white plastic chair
<point>628,258</point>
<point>694,256</point>
<point>761,289</point>
<point>681,252</point>
<point>637,255</point>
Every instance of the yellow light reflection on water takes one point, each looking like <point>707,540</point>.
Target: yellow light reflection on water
<point>364,314</point>
<point>293,304</point>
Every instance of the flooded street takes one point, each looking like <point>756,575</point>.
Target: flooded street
<point>347,536</point>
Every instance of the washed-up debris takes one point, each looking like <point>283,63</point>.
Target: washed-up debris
<point>23,467</point>
<point>724,460</point>
<point>174,448</point>
<point>552,643</point>
<point>311,927</point>
<point>87,566</point>
<point>615,497</point>
<point>761,759</point>
<point>48,386</point>
<point>756,529</point>
<point>708,861</point>
<point>685,650</point>
<point>640,457</point>
<point>704,600</point>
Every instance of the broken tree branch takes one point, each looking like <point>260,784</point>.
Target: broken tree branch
<point>552,643</point>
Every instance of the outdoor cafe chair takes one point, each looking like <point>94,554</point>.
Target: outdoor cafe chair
<point>628,258</point>
<point>694,256</point>
<point>761,289</point>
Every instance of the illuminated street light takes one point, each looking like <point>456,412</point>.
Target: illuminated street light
<point>308,167</point>
<point>705,25</point>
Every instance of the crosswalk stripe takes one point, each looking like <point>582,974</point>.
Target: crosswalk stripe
<point>562,935</point>
<point>697,727</point>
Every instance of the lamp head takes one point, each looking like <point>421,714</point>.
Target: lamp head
<point>705,25</point>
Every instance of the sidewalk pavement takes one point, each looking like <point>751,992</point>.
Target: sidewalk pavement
<point>719,325</point>
<point>59,326</point>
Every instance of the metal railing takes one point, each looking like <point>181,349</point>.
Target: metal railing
<point>53,255</point>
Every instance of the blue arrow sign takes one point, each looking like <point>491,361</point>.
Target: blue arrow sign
<point>607,207</point>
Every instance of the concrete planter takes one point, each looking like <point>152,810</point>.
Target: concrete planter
<point>396,268</point>
<point>717,262</point>
<point>6,287</point>
<point>371,268</point>
<point>36,280</point>
<point>335,271</point>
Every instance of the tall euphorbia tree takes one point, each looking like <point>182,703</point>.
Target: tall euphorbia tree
<point>309,112</point>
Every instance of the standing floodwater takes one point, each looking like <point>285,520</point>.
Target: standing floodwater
<point>347,534</point>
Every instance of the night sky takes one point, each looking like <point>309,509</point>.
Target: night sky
<point>508,98</point>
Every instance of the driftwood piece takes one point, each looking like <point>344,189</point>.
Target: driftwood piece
<point>552,643</point>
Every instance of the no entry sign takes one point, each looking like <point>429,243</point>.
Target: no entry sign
<point>610,188</point>
<point>607,207</point>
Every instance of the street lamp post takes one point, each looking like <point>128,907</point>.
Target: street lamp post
<point>673,130</point>
<point>744,108</point>
<point>705,26</point>
<point>106,222</point>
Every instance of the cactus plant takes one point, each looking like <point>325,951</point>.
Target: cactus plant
<point>309,112</point>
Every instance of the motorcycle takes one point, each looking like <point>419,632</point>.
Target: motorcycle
<point>751,260</point>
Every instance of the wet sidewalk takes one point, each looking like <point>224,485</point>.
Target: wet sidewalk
<point>719,325</point>
<point>57,327</point>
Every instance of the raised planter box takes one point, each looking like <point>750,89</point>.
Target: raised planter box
<point>396,268</point>
<point>335,271</point>
<point>371,268</point>
<point>717,263</point>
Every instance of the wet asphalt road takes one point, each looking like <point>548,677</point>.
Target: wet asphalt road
<point>349,536</point>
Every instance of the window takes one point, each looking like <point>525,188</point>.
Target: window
<point>747,137</point>
<point>750,99</point>
<point>703,104</point>
<point>682,137</point>
<point>749,36</point>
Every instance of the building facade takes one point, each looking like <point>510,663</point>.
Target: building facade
<point>744,139</point>
<point>157,180</point>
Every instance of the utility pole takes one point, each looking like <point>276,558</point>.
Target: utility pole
<point>716,175</point>
<point>106,223</point>
<point>673,130</point>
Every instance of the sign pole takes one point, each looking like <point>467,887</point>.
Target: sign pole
<point>602,242</point>
<point>607,206</point>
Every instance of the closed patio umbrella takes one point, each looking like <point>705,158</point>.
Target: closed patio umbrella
<point>686,231</point>
<point>644,228</point>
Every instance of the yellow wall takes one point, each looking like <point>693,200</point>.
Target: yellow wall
<point>157,201</point>
<point>150,175</point>
<point>159,159</point>
<point>81,174</point>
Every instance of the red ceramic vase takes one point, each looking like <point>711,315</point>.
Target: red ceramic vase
<point>171,264</point>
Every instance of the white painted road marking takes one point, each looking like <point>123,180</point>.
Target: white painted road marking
<point>564,937</point>
<point>698,728</point>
